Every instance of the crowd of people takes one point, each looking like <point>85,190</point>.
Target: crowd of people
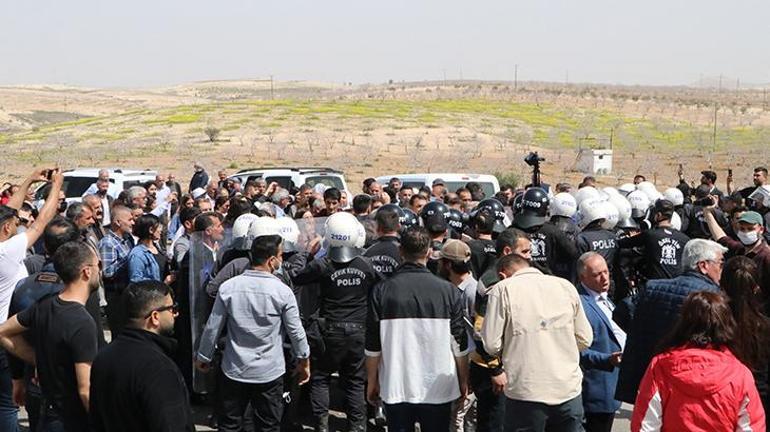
<point>540,308</point>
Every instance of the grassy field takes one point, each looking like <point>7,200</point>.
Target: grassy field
<point>371,136</point>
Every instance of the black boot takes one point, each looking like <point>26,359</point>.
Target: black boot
<point>322,424</point>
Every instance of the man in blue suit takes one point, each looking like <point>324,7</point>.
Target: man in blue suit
<point>601,360</point>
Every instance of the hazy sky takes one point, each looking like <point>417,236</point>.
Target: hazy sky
<point>160,42</point>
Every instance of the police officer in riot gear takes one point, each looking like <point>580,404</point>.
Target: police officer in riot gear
<point>498,211</point>
<point>562,209</point>
<point>435,216</point>
<point>384,253</point>
<point>662,244</point>
<point>456,222</point>
<point>549,245</point>
<point>594,237</point>
<point>409,220</point>
<point>344,278</point>
<point>483,253</point>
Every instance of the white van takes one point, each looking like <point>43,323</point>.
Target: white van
<point>77,181</point>
<point>291,178</point>
<point>452,182</point>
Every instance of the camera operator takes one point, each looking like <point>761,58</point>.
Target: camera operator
<point>694,213</point>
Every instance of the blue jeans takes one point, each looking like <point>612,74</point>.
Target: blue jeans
<point>9,413</point>
<point>432,418</point>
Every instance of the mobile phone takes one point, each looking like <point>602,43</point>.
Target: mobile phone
<point>48,174</point>
<point>730,172</point>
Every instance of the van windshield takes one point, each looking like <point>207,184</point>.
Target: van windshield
<point>73,187</point>
<point>329,181</point>
<point>488,188</point>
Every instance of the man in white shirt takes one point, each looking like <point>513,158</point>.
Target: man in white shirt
<point>13,250</point>
<point>104,177</point>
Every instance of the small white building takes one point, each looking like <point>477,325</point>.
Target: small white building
<point>594,161</point>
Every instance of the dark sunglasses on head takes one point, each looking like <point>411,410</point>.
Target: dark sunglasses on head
<point>174,308</point>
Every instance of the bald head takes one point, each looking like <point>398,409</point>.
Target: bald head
<point>593,272</point>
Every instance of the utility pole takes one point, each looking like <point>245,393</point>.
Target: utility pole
<point>272,95</point>
<point>612,134</point>
<point>444,70</point>
<point>515,77</point>
<point>714,134</point>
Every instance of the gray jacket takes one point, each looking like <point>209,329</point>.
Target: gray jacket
<point>257,309</point>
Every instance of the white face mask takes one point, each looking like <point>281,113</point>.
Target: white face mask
<point>748,238</point>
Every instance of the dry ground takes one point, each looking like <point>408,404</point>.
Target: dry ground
<point>370,130</point>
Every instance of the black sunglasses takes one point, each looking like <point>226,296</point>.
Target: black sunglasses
<point>174,308</point>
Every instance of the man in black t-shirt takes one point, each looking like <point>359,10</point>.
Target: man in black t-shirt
<point>64,339</point>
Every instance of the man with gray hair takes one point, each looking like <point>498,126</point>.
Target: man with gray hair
<point>108,188</point>
<point>657,309</point>
<point>200,179</point>
<point>281,200</point>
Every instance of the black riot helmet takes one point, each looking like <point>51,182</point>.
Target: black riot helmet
<point>534,208</point>
<point>396,209</point>
<point>410,219</point>
<point>457,221</point>
<point>435,216</point>
<point>494,206</point>
<point>516,203</point>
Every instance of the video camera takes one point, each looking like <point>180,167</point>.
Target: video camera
<point>533,159</point>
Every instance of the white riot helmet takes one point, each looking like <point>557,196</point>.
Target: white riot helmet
<point>626,188</point>
<point>361,236</point>
<point>674,195</point>
<point>591,210</point>
<point>241,238</point>
<point>585,193</point>
<point>640,202</point>
<point>263,226</point>
<point>676,221</point>
<point>622,205</point>
<point>610,191</point>
<point>650,190</point>
<point>342,237</point>
<point>563,204</point>
<point>613,215</point>
<point>289,231</point>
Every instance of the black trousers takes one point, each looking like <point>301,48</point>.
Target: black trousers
<point>598,422</point>
<point>432,418</point>
<point>266,404</point>
<point>490,407</point>
<point>524,416</point>
<point>344,353</point>
<point>116,313</point>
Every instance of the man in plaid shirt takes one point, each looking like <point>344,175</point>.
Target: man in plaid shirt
<point>113,249</point>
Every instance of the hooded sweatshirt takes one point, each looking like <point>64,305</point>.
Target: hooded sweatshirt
<point>696,389</point>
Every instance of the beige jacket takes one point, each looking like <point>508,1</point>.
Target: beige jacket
<point>538,323</point>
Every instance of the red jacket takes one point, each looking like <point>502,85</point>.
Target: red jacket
<point>695,389</point>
